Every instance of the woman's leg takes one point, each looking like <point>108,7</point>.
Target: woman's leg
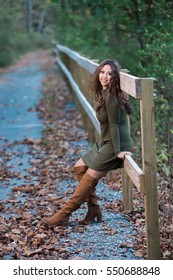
<point>96,174</point>
<point>80,162</point>
<point>80,168</point>
<point>86,187</point>
<point>94,210</point>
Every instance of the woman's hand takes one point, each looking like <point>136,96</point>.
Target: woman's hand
<point>123,154</point>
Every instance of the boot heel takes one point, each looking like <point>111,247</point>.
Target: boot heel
<point>99,218</point>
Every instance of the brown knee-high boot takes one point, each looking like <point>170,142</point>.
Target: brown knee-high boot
<point>94,210</point>
<point>80,171</point>
<point>84,189</point>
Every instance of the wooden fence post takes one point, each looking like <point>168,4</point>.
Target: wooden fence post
<point>149,168</point>
<point>127,191</point>
<point>127,185</point>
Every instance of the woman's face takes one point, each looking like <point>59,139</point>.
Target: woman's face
<point>105,76</point>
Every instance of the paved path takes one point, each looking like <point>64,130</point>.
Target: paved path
<point>20,91</point>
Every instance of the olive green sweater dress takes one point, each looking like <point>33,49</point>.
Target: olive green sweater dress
<point>115,138</point>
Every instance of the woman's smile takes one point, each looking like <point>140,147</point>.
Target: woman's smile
<point>105,76</point>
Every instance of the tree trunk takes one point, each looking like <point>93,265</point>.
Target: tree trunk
<point>42,19</point>
<point>139,24</point>
<point>29,15</point>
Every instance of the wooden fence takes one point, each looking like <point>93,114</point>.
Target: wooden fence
<point>78,70</point>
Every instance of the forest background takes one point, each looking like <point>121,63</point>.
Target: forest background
<point>138,34</point>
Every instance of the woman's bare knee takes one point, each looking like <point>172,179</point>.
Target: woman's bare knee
<point>96,174</point>
<point>80,162</point>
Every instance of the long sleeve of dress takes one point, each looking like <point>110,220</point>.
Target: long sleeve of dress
<point>113,113</point>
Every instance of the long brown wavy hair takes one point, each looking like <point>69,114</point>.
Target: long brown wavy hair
<point>115,90</point>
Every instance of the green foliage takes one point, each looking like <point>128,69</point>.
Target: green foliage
<point>156,61</point>
<point>14,36</point>
<point>7,32</point>
<point>164,160</point>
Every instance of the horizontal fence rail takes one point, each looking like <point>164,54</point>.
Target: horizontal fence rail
<point>86,105</point>
<point>78,70</point>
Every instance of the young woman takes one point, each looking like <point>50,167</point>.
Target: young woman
<point>112,107</point>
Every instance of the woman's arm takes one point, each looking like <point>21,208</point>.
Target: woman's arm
<point>113,113</point>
